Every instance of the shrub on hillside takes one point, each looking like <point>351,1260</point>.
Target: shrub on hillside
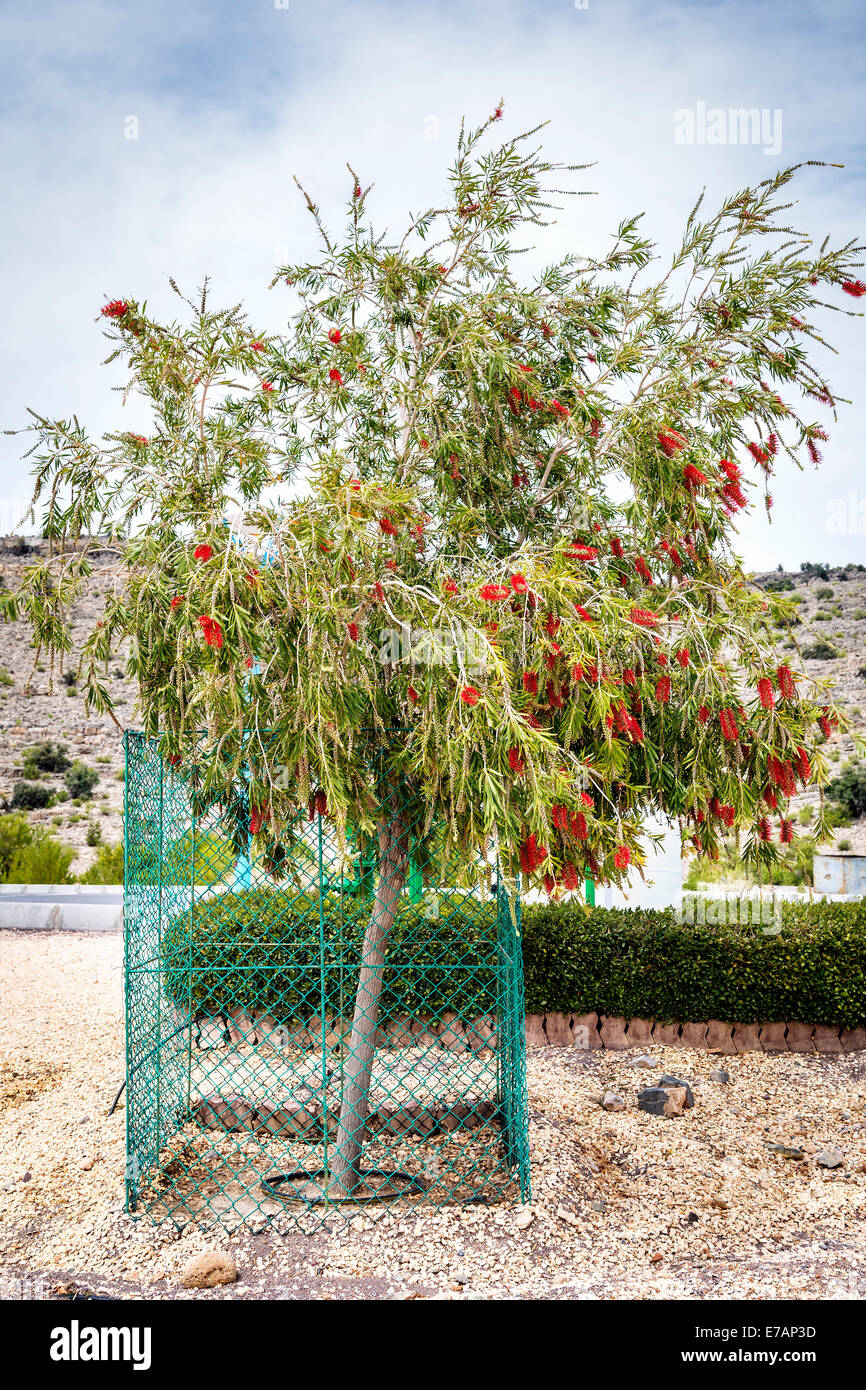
<point>30,796</point>
<point>80,780</point>
<point>48,757</point>
<point>107,868</point>
<point>849,790</point>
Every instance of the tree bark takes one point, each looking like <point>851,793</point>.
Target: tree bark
<point>355,1105</point>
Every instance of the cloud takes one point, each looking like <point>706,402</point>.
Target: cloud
<point>232,100</point>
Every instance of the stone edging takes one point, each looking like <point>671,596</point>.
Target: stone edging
<point>590,1031</point>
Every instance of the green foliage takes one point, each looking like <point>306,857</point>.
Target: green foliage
<point>823,591</point>
<point>42,860</point>
<point>5,678</point>
<point>16,833</point>
<point>820,651</point>
<point>48,757</point>
<point>849,790</point>
<point>258,950</point>
<point>107,867</point>
<point>644,964</point>
<point>30,796</point>
<point>816,571</point>
<point>214,859</point>
<point>80,780</point>
<point>94,834</point>
<point>779,586</point>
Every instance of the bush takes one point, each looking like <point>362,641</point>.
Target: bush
<point>45,757</point>
<point>820,651</point>
<point>80,780</point>
<point>644,964</point>
<point>30,796</point>
<point>849,790</point>
<point>108,867</point>
<point>43,860</point>
<point>823,591</point>
<point>94,834</point>
<point>448,963</point>
<point>816,571</point>
<point>15,833</point>
<point>779,586</point>
<point>634,963</point>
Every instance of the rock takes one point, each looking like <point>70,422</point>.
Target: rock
<point>524,1219</point>
<point>784,1150</point>
<point>640,1032</point>
<point>830,1158</point>
<point>612,1101</point>
<point>558,1030</point>
<point>613,1035</point>
<point>723,1077</point>
<point>673,1082</point>
<point>225,1112</point>
<point>535,1034</point>
<point>598,1205</point>
<point>567,1216</point>
<point>647,1062</point>
<point>694,1035</point>
<point>661,1100</point>
<point>208,1270</point>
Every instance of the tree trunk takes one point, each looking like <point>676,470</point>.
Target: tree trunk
<point>355,1106</point>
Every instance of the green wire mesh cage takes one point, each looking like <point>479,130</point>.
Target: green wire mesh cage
<point>250,1096</point>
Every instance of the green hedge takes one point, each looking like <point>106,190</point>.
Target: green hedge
<point>638,963</point>
<point>250,950</point>
<point>254,949</point>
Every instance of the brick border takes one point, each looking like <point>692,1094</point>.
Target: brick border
<point>591,1031</point>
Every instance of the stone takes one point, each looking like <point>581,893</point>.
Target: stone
<point>535,1034</point>
<point>611,1101</point>
<point>784,1150</point>
<point>584,1032</point>
<point>666,1034</point>
<point>660,1100</point>
<point>208,1270</point>
<point>723,1077</point>
<point>290,1120</point>
<point>772,1036</point>
<point>668,1082</point>
<point>799,1037</point>
<point>481,1033</point>
<point>826,1039</point>
<point>211,1032</point>
<point>399,1032</point>
<point>720,1036</point>
<point>524,1219</point>
<point>639,1032</point>
<point>746,1037</point>
<point>853,1039</point>
<point>242,1029</point>
<point>646,1062</point>
<point>225,1112</point>
<point>830,1158</point>
<point>694,1035</point>
<point>558,1030</point>
<point>452,1034</point>
<point>613,1034</point>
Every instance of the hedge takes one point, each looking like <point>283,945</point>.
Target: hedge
<point>250,950</point>
<point>637,963</point>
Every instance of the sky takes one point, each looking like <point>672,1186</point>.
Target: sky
<point>142,141</point>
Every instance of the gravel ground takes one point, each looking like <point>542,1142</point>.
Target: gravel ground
<point>625,1205</point>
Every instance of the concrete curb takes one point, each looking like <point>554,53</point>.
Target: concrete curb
<point>590,1031</point>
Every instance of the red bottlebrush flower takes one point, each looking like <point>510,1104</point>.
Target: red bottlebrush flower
<point>449,587</point>
<point>855,288</point>
<point>532,855</point>
<point>378,592</point>
<point>530,682</point>
<point>814,451</point>
<point>549,884</point>
<point>582,613</point>
<point>577,671</point>
<point>177,600</point>
<point>795,322</point>
<point>202,552</point>
<point>804,766</point>
<point>642,617</point>
<point>267,386</point>
<point>559,817</point>
<point>622,858</point>
<point>115,309</point>
<point>734,497</point>
<point>732,470</point>
<point>594,428</point>
<point>258,347</point>
<point>554,696</point>
<point>335,335</point>
<point>671,442</point>
<point>552,625</point>
<point>391,565</point>
<point>693,477</point>
<point>519,584</point>
<point>703,714</point>
<point>586,798</point>
<point>559,409</point>
<point>577,825</point>
<point>728,723</point>
<point>616,546</point>
<point>684,657</point>
<point>258,816</point>
<point>762,829</point>
<point>771,799</point>
<point>582,552</point>
<point>772,443</point>
<point>765,692</point>
<point>592,673</point>
<point>249,663</point>
<point>213,633</point>
<point>570,878</point>
<point>352,629</point>
<point>357,190</point>
<point>827,722</point>
<point>335,376</point>
<point>661,658</point>
<point>663,690</point>
<point>629,677</point>
<point>758,454</point>
<point>515,761</point>
<point>469,695</point>
<point>494,593</point>
<point>387,525</point>
<point>786,832</point>
<point>643,569</point>
<point>727,815</point>
<point>412,695</point>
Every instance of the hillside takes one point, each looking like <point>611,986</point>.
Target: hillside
<point>832,607</point>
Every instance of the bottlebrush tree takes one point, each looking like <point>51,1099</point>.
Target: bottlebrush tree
<point>534,480</point>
